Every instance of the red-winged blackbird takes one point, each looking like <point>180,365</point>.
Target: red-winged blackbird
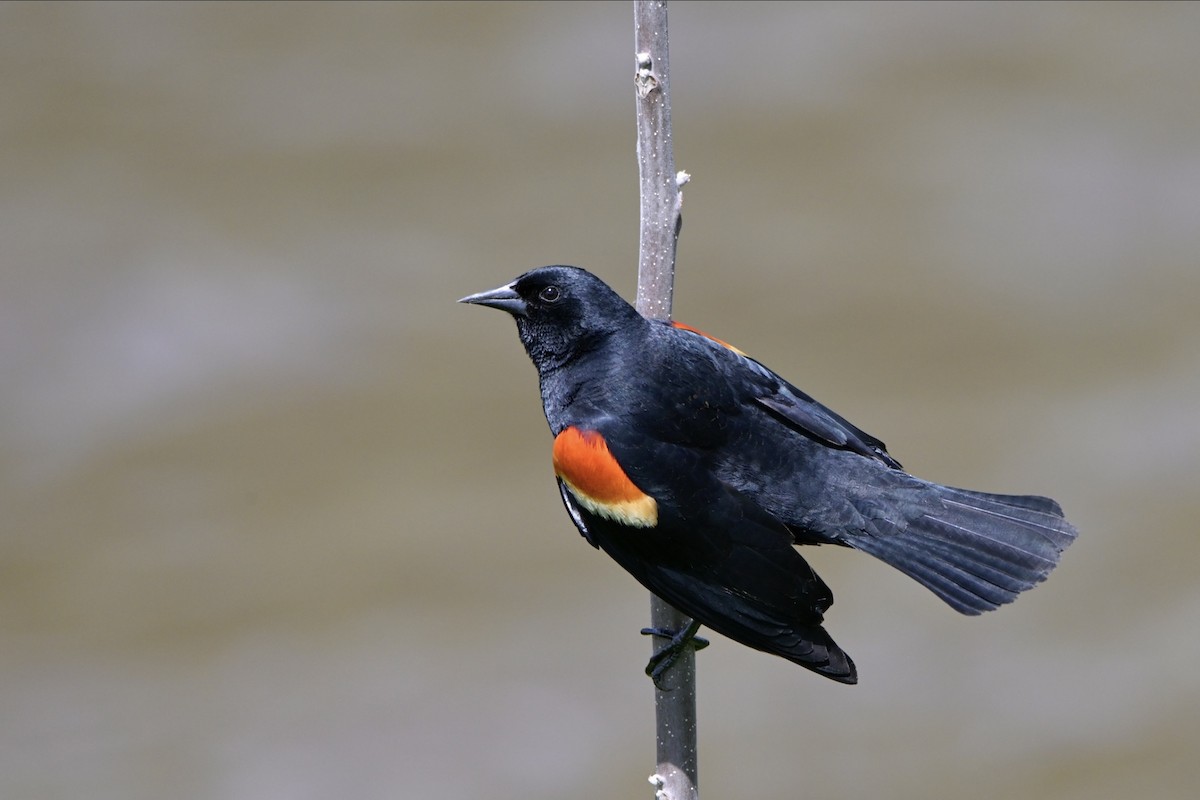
<point>697,469</point>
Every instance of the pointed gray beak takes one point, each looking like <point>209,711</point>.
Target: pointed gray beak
<point>505,298</point>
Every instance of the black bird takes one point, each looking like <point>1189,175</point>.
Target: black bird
<point>697,469</point>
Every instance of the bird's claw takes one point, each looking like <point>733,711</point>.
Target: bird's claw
<point>664,658</point>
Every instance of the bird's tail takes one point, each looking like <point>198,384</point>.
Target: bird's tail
<point>975,550</point>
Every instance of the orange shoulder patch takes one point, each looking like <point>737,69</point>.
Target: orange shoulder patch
<point>583,462</point>
<point>721,342</point>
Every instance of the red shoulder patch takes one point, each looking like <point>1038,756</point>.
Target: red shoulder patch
<point>721,342</point>
<point>583,461</point>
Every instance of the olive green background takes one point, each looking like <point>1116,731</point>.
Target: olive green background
<point>277,515</point>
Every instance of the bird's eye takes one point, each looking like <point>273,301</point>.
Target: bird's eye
<point>551,294</point>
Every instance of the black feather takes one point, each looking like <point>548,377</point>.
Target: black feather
<point>975,550</point>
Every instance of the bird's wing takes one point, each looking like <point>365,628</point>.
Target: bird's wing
<point>703,546</point>
<point>802,413</point>
<point>794,408</point>
<point>733,568</point>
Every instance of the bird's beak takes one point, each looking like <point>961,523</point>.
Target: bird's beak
<point>505,298</point>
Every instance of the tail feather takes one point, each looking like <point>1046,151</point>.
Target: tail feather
<point>962,591</point>
<point>976,551</point>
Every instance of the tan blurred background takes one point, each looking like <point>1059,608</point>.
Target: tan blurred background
<point>278,518</point>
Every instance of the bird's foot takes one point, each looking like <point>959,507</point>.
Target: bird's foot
<point>665,658</point>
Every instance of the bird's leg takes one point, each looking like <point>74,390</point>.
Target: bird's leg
<point>662,659</point>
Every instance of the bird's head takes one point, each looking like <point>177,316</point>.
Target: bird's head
<point>561,312</point>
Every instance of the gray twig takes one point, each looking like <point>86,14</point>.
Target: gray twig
<point>661,201</point>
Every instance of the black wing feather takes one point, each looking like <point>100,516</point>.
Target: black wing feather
<point>795,408</point>
<point>733,568</point>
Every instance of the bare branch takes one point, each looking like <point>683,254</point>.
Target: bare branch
<point>661,202</point>
<point>660,192</point>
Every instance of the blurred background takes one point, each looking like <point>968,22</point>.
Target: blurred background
<point>278,516</point>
